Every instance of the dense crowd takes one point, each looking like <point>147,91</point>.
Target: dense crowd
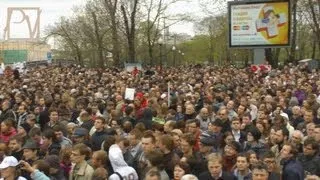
<point>195,122</point>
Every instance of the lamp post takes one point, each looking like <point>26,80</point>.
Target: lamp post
<point>182,54</point>
<point>174,55</point>
<point>160,42</point>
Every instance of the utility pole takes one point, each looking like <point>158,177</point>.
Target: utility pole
<point>174,48</point>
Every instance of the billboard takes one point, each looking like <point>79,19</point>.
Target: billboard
<point>259,24</point>
<point>14,56</point>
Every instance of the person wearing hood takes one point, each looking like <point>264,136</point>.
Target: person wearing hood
<point>120,167</point>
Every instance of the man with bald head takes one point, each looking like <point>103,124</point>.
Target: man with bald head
<point>204,118</point>
<point>190,112</point>
<point>297,138</point>
<point>231,112</point>
<point>296,117</point>
<point>120,103</point>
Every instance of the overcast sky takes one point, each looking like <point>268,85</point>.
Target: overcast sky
<point>53,9</point>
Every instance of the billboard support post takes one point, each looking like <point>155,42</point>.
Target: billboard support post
<point>258,56</point>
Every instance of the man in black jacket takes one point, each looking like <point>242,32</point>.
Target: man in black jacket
<point>309,159</point>
<point>215,169</point>
<point>99,135</point>
<point>292,169</point>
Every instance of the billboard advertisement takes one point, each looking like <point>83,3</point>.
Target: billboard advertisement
<point>259,24</point>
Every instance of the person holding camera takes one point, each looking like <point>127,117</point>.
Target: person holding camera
<point>38,170</point>
<point>8,169</point>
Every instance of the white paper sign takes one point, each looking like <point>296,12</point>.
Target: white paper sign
<point>129,94</point>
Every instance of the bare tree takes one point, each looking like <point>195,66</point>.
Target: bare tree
<point>111,7</point>
<point>130,28</point>
<point>67,30</point>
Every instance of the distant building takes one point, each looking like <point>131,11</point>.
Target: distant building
<point>14,51</point>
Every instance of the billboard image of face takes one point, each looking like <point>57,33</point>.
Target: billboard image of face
<point>259,24</point>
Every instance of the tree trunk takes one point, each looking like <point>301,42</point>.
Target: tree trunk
<point>116,48</point>
<point>313,50</point>
<point>211,46</point>
<point>98,40</point>
<point>292,56</point>
<point>315,21</point>
<point>112,10</point>
<point>150,50</point>
<point>130,30</point>
<point>79,57</point>
<point>150,47</point>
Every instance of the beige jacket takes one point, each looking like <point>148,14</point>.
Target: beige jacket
<point>85,172</point>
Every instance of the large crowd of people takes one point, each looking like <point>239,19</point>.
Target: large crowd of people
<point>184,123</point>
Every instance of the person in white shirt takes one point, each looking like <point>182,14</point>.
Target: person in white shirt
<point>8,169</point>
<point>120,167</point>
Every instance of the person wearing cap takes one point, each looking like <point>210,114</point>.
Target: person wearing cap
<point>30,155</point>
<point>214,132</point>
<point>8,169</point>
<point>80,135</point>
<point>206,147</point>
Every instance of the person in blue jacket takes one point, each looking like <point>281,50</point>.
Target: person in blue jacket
<point>292,168</point>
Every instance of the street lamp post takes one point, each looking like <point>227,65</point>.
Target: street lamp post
<point>182,54</point>
<point>174,55</point>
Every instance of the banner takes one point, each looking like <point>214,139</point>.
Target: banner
<point>256,24</point>
<point>260,68</point>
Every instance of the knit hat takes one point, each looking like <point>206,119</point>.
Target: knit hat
<point>207,141</point>
<point>53,161</point>
<point>30,145</point>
